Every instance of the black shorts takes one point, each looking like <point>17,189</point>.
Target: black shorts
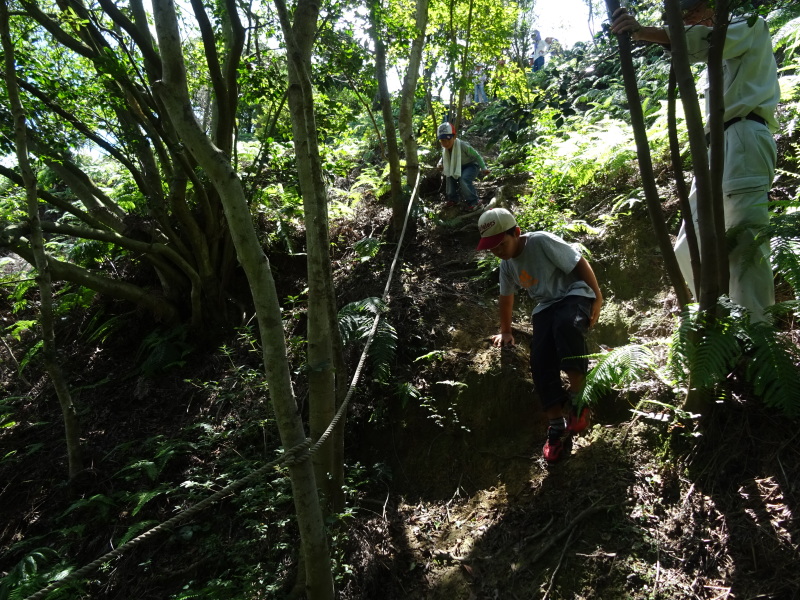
<point>559,344</point>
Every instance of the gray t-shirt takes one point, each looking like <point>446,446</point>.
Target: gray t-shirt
<point>544,269</point>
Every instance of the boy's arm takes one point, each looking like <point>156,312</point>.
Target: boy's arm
<point>505,337</point>
<point>584,271</point>
<point>475,155</point>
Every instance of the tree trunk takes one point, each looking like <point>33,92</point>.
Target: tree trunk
<point>69,415</point>
<point>464,77</point>
<point>368,108</point>
<point>408,94</point>
<point>427,84</point>
<point>646,164</point>
<point>324,345</point>
<point>392,154</point>
<point>708,171</point>
<point>716,90</point>
<point>680,182</point>
<point>173,92</point>
<point>186,215</point>
<point>709,289</point>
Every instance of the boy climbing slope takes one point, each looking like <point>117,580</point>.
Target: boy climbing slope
<point>568,300</point>
<point>461,164</point>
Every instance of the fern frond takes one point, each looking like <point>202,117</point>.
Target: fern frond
<point>143,498</point>
<point>136,529</point>
<point>774,368</point>
<point>355,319</point>
<point>788,37</point>
<point>618,369</point>
<point>382,351</point>
<point>782,233</point>
<point>709,351</point>
<point>680,354</point>
<point>715,354</point>
<point>33,572</point>
<point>787,308</point>
<point>407,391</point>
<point>355,323</point>
<point>786,259</point>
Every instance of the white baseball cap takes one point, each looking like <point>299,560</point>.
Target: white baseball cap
<point>493,225</point>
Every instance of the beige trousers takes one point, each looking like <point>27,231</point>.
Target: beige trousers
<point>749,169</point>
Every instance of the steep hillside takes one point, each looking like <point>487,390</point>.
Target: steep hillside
<point>450,497</point>
<point>642,509</point>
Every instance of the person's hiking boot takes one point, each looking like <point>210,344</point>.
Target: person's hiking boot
<point>558,444</point>
<point>579,421</point>
<point>450,203</point>
<point>472,207</point>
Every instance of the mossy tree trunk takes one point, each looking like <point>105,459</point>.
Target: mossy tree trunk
<point>376,18</point>
<point>464,77</point>
<point>408,93</point>
<point>173,92</point>
<point>325,361</point>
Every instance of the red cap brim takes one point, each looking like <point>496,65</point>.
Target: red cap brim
<point>489,242</point>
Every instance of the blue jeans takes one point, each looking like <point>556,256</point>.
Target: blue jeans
<point>464,184</point>
<point>480,93</point>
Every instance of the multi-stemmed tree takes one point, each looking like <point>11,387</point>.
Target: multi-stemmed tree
<point>96,76</point>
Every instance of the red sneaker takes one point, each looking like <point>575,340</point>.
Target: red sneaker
<point>472,207</point>
<point>558,444</point>
<point>578,422</point>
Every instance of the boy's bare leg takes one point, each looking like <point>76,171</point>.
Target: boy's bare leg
<point>576,381</point>
<point>553,412</point>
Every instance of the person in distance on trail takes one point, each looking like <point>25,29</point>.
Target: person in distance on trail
<point>751,96</point>
<point>540,48</point>
<point>480,85</point>
<point>568,300</point>
<point>461,164</point>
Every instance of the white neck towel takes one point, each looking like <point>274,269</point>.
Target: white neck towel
<point>451,160</point>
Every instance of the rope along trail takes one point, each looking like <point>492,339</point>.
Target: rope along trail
<point>297,454</point>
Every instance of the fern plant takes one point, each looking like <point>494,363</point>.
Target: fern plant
<point>767,359</point>
<point>355,323</point>
<point>33,572</point>
<point>710,352</point>
<point>784,233</point>
<point>618,369</point>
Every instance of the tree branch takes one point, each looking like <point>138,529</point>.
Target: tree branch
<point>33,10</point>
<point>156,305</point>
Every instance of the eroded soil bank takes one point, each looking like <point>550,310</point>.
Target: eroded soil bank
<point>643,508</point>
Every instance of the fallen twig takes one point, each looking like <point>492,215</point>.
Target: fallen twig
<point>556,538</point>
<point>558,566</point>
<point>22,377</point>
